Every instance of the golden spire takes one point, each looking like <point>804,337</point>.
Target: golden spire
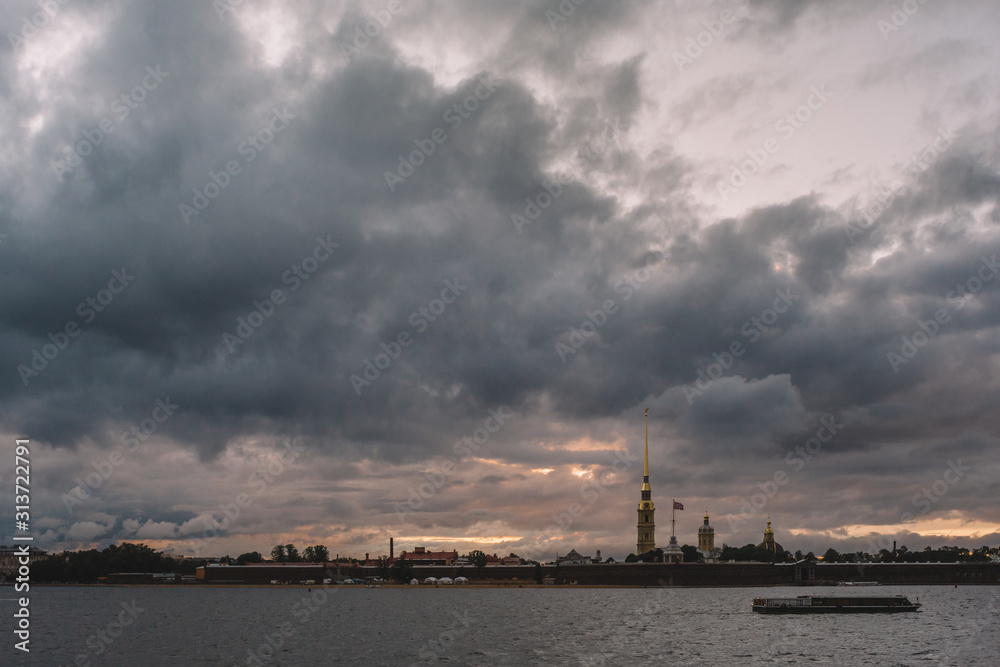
<point>645,465</point>
<point>646,538</point>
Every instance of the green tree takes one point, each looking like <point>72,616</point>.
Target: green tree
<point>278,554</point>
<point>321,554</point>
<point>251,557</point>
<point>752,553</point>
<point>129,557</point>
<point>652,556</point>
<point>831,555</point>
<point>86,567</point>
<point>402,570</point>
<point>691,554</point>
<point>309,555</point>
<point>383,567</point>
<point>188,566</point>
<point>292,553</point>
<point>54,569</point>
<point>478,558</point>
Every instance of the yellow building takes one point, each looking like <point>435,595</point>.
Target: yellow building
<point>706,538</point>
<point>646,527</point>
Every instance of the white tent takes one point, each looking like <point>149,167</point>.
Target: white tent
<point>414,582</point>
<point>447,581</point>
<point>461,580</point>
<point>430,580</point>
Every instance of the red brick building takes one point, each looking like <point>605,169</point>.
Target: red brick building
<point>420,556</point>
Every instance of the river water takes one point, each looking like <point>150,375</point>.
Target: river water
<point>167,625</point>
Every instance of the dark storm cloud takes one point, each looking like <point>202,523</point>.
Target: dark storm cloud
<point>194,281</point>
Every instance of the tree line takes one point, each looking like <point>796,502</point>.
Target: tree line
<point>86,567</point>
<point>953,554</point>
<point>288,553</point>
<point>90,565</point>
<point>756,554</point>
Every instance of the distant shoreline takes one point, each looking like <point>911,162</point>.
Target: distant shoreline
<point>500,586</point>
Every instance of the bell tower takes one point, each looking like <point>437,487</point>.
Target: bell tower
<point>646,540</point>
<point>706,537</point>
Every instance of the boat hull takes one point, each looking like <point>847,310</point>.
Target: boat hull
<point>832,610</point>
<point>835,604</point>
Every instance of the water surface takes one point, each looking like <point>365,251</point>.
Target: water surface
<point>472,626</point>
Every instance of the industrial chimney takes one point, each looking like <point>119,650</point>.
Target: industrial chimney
<point>390,547</point>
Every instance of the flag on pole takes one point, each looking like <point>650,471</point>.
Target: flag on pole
<point>678,506</point>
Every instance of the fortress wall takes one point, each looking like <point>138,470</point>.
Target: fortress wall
<point>652,574</point>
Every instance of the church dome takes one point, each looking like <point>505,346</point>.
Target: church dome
<point>769,544</point>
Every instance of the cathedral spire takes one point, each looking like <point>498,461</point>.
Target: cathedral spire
<point>647,524</point>
<point>645,465</point>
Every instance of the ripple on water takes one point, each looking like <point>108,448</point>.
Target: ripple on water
<point>190,625</point>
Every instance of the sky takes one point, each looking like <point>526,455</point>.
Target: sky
<point>335,272</point>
